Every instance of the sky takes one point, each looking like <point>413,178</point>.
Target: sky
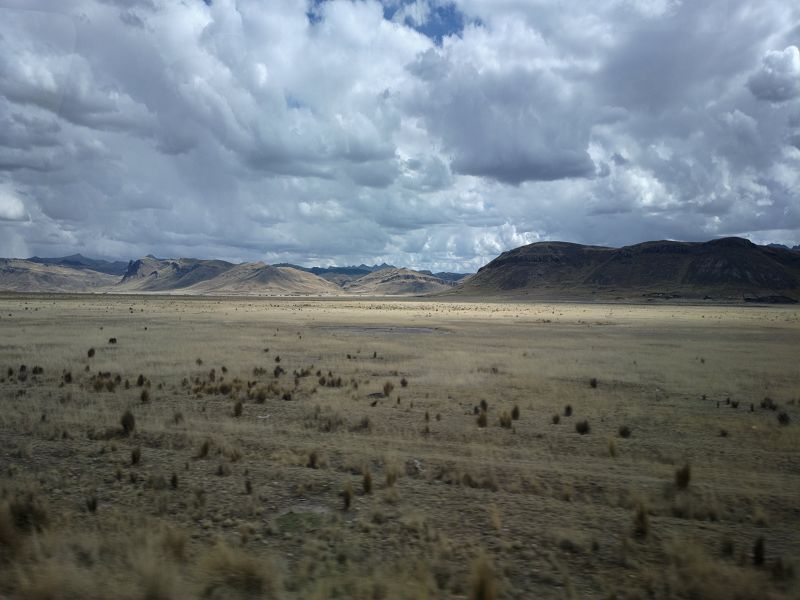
<point>427,133</point>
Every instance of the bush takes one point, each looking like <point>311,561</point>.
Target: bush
<point>568,410</point>
<point>482,419</point>
<point>136,456</point>
<point>367,482</point>
<point>625,432</point>
<point>144,396</point>
<point>90,353</point>
<point>128,422</point>
<point>237,409</point>
<point>593,382</point>
<point>505,420</point>
<point>387,388</point>
<point>515,413</point>
<point>582,427</point>
<point>556,419</point>
<point>783,418</point>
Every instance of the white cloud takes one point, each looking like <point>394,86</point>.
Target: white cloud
<point>11,207</point>
<point>246,130</point>
<point>778,79</point>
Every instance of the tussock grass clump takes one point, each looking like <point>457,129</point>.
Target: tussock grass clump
<point>237,409</point>
<point>625,432</point>
<point>583,427</point>
<point>768,403</point>
<point>128,422</point>
<point>568,410</point>
<point>140,380</point>
<point>363,425</point>
<point>593,382</point>
<point>90,353</point>
<point>366,482</point>
<point>783,418</point>
<point>91,504</point>
<point>683,476</point>
<point>391,476</point>
<point>505,420</point>
<point>641,522</point>
<point>482,580</point>
<point>228,572</point>
<point>144,396</point>
<point>482,419</point>
<point>27,513</point>
<point>484,405</point>
<point>204,449</point>
<point>515,413</point>
<point>758,552</point>
<point>404,382</point>
<point>347,496</point>
<point>556,419</point>
<point>387,388</point>
<point>136,456</point>
<point>313,460</point>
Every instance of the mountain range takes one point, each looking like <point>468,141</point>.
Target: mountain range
<point>151,275</point>
<point>725,269</point>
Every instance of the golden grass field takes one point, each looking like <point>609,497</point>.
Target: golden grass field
<point>197,502</point>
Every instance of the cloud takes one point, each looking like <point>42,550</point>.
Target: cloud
<point>778,79</point>
<point>11,207</point>
<point>430,133</point>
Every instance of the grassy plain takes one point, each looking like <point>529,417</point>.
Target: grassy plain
<point>233,478</point>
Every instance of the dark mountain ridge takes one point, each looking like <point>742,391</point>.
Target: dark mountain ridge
<point>725,268</point>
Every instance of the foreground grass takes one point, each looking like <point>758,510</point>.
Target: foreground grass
<point>304,449</point>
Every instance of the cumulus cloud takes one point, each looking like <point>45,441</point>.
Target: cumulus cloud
<point>431,133</point>
<point>778,79</point>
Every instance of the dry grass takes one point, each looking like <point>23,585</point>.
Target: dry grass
<point>218,491</point>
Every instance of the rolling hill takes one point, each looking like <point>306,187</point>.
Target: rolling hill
<point>78,261</point>
<point>726,269</point>
<point>18,275</point>
<point>397,282</point>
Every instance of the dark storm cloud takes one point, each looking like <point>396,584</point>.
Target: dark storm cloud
<point>430,133</point>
